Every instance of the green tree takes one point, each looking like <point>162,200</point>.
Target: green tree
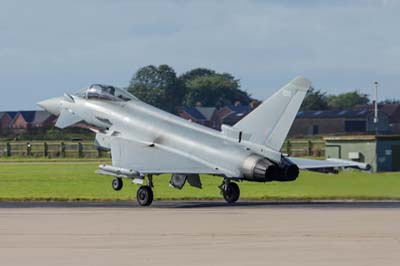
<point>347,100</point>
<point>314,100</point>
<point>211,88</point>
<point>158,86</point>
<point>195,73</point>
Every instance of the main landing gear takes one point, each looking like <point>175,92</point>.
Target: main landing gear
<point>144,194</point>
<point>230,191</point>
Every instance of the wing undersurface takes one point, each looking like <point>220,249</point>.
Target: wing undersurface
<point>148,158</point>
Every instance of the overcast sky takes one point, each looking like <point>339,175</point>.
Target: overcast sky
<point>51,47</point>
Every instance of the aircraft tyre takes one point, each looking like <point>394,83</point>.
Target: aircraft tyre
<point>144,196</point>
<point>231,192</point>
<point>117,184</point>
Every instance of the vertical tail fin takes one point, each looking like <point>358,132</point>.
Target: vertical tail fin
<point>270,122</point>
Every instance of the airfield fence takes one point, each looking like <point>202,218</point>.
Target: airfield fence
<point>85,149</point>
<point>51,149</point>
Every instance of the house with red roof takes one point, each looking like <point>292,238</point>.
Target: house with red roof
<point>207,116</point>
<point>32,119</point>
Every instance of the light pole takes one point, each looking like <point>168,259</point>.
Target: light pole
<point>376,107</point>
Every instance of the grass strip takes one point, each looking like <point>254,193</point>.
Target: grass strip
<point>78,182</point>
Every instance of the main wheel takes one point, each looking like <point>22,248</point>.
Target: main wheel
<point>117,184</point>
<point>231,192</point>
<point>144,196</point>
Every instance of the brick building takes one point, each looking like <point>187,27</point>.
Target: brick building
<point>32,119</point>
<point>353,121</point>
<point>5,121</point>
<point>392,110</point>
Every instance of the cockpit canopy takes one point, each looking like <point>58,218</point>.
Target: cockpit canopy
<point>106,93</point>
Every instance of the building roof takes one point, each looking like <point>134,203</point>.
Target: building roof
<point>10,114</point>
<point>391,109</point>
<point>207,112</point>
<point>193,112</point>
<point>236,113</point>
<point>28,116</point>
<point>235,116</point>
<point>34,116</point>
<point>388,108</point>
<point>362,138</point>
<point>239,108</point>
<point>348,113</point>
<point>41,116</point>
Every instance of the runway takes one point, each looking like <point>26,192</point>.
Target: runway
<point>200,233</point>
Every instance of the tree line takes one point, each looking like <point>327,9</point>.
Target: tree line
<point>318,100</point>
<point>160,86</point>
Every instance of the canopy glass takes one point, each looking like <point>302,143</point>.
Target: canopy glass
<point>105,93</point>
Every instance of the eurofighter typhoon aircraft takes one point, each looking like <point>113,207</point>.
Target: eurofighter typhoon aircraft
<point>146,141</point>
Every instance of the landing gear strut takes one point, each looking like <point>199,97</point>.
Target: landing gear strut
<point>144,194</point>
<point>230,191</point>
<point>117,184</point>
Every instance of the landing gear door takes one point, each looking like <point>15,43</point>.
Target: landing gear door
<point>179,180</point>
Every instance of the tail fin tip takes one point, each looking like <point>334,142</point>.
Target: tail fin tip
<point>301,83</point>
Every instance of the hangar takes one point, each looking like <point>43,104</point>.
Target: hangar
<point>382,152</point>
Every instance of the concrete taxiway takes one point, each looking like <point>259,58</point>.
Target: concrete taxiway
<point>200,233</point>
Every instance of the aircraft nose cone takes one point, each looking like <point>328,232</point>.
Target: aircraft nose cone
<point>51,105</point>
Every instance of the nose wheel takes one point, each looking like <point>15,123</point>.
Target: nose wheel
<point>230,191</point>
<point>117,184</point>
<point>144,196</point>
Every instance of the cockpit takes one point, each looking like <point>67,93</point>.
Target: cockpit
<point>106,93</point>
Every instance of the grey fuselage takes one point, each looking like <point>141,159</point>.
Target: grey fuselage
<point>144,123</point>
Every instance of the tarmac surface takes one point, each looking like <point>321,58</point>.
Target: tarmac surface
<point>200,233</point>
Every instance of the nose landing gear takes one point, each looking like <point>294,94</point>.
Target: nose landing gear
<point>117,184</point>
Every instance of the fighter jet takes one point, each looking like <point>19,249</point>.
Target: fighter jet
<point>146,141</point>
